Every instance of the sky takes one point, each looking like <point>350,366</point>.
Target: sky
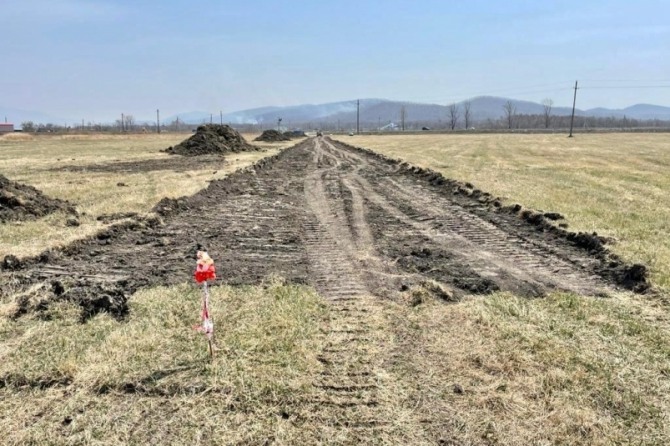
<point>95,59</point>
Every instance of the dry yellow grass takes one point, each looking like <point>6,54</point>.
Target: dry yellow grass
<point>615,184</point>
<point>563,370</point>
<point>149,380</point>
<point>32,161</point>
<point>16,137</point>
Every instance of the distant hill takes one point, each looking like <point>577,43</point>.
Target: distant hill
<point>303,113</point>
<point>383,111</point>
<point>269,115</point>
<point>637,111</point>
<point>491,107</point>
<point>372,111</point>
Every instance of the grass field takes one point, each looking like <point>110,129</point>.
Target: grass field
<point>562,370</point>
<point>31,160</point>
<point>615,184</point>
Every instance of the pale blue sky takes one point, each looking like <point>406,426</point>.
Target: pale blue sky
<point>94,59</point>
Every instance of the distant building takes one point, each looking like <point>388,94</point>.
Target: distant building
<point>390,126</point>
<point>6,128</point>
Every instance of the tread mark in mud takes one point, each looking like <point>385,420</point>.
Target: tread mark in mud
<point>412,213</point>
<point>338,218</point>
<point>347,404</point>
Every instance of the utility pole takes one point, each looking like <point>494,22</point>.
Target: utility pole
<point>279,124</point>
<point>158,121</point>
<point>358,116</point>
<point>221,116</point>
<point>572,119</point>
<point>210,119</point>
<point>122,122</point>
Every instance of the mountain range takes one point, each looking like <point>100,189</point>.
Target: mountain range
<point>384,111</point>
<point>380,111</point>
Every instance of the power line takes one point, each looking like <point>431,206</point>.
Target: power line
<point>619,87</point>
<point>627,80</point>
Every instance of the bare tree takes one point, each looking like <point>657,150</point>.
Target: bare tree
<point>28,126</point>
<point>175,125</point>
<point>130,122</point>
<point>403,116</point>
<point>547,104</point>
<point>467,115</point>
<point>453,116</point>
<point>510,113</point>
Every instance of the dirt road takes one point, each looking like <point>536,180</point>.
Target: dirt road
<point>339,218</point>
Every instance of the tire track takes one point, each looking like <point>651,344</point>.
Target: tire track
<point>346,398</point>
<point>412,213</point>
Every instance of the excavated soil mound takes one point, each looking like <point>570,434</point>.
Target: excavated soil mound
<point>22,202</point>
<point>272,136</point>
<point>295,134</point>
<point>212,139</point>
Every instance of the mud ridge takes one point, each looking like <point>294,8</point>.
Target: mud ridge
<point>20,202</point>
<point>206,161</point>
<point>633,277</point>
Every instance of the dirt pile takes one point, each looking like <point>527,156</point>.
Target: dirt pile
<point>295,134</point>
<point>272,136</point>
<point>212,139</point>
<point>22,202</point>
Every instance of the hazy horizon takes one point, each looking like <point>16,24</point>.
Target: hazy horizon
<point>95,59</point>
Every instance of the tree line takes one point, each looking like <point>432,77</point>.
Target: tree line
<point>458,117</point>
<point>128,124</point>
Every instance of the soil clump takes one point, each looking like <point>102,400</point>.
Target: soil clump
<point>20,202</point>
<point>212,139</point>
<point>295,134</point>
<point>272,136</point>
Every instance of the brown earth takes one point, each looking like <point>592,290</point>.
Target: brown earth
<point>295,134</point>
<point>342,219</point>
<point>176,164</point>
<point>212,139</point>
<point>23,202</point>
<point>272,136</point>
